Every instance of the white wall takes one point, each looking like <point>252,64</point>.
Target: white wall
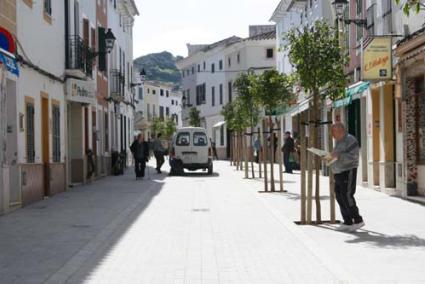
<point>33,33</point>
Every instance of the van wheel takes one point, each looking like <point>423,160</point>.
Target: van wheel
<point>210,169</point>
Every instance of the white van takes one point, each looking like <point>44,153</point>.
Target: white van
<point>190,150</point>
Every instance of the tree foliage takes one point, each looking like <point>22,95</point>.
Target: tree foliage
<point>167,127</point>
<point>245,85</point>
<point>411,5</point>
<point>235,116</point>
<point>194,117</point>
<point>319,61</point>
<point>273,90</point>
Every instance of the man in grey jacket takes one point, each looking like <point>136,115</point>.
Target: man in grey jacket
<point>346,153</point>
<point>158,151</point>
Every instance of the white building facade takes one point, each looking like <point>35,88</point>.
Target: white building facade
<point>210,71</point>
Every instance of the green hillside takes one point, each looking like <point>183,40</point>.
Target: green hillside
<point>160,67</point>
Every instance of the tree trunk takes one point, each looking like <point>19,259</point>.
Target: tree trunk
<point>303,153</point>
<point>260,151</point>
<point>245,151</point>
<point>265,157</point>
<point>331,176</point>
<point>280,155</point>
<point>317,158</point>
<point>252,151</point>
<point>231,148</point>
<point>272,156</point>
<point>310,166</point>
<point>240,151</point>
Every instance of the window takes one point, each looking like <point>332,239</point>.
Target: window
<point>269,53</point>
<point>213,96</point>
<point>106,128</point>
<point>30,132</point>
<point>193,70</point>
<point>205,65</point>
<point>154,110</point>
<point>221,94</point>
<point>188,97</point>
<point>359,5</point>
<point>213,68</point>
<point>148,110</point>
<point>48,7</point>
<point>222,135</point>
<point>140,93</point>
<point>200,139</point>
<point>370,15</point>
<point>161,92</point>
<point>149,91</point>
<point>199,67</point>
<point>387,16</point>
<point>172,102</point>
<point>183,139</point>
<point>161,112</point>
<point>229,61</point>
<point>220,64</point>
<point>167,93</point>
<point>56,134</point>
<point>200,94</point>
<point>230,91</point>
<point>167,111</point>
<point>153,92</point>
<point>239,58</point>
<point>183,73</point>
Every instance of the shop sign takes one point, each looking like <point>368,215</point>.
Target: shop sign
<point>377,59</point>
<point>80,91</point>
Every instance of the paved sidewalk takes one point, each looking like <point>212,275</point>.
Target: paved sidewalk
<point>389,249</point>
<point>202,229</point>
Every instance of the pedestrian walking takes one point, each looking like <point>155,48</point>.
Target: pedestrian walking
<point>158,151</point>
<point>140,150</point>
<point>257,148</point>
<point>346,156</point>
<point>288,150</point>
<point>214,149</point>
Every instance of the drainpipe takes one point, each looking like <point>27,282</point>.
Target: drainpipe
<point>2,134</point>
<point>65,105</point>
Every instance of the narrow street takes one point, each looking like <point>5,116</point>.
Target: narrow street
<point>202,229</point>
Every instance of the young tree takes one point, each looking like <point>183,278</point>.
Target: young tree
<point>236,116</point>
<point>245,85</point>
<point>411,5</point>
<point>273,90</point>
<point>319,62</point>
<point>156,126</point>
<point>169,128</point>
<point>194,117</point>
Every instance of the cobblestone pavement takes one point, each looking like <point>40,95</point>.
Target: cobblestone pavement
<point>204,229</point>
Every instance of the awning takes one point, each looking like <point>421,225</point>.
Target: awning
<point>219,124</point>
<point>302,106</point>
<point>9,61</point>
<point>350,93</point>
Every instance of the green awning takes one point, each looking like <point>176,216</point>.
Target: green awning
<point>350,92</point>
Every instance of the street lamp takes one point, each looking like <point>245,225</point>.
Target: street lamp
<point>109,43</point>
<point>142,79</point>
<point>339,6</point>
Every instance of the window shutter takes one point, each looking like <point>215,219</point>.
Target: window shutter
<point>102,48</point>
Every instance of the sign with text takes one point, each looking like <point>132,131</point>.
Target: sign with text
<point>377,59</point>
<point>80,91</point>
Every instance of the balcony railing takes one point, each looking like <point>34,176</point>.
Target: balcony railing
<point>117,81</point>
<point>80,56</point>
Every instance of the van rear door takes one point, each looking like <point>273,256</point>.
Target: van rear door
<point>200,147</point>
<point>183,147</point>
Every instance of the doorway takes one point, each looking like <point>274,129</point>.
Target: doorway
<point>45,143</point>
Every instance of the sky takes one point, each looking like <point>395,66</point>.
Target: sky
<point>170,24</point>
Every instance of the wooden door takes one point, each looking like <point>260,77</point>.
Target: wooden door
<point>86,130</point>
<point>45,142</point>
<point>94,135</point>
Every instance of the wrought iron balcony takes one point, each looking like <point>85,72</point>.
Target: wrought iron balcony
<point>80,56</point>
